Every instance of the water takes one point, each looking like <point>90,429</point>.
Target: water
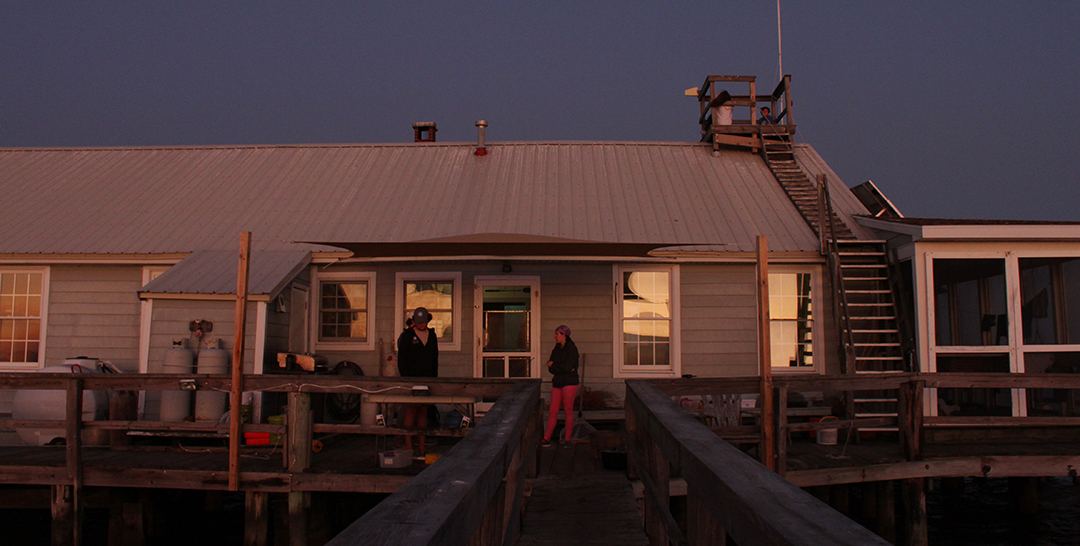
<point>984,514</point>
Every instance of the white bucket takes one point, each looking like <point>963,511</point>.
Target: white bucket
<point>827,436</point>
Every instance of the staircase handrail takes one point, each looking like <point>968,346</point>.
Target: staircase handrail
<point>838,278</point>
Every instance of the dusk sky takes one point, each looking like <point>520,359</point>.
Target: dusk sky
<point>954,109</point>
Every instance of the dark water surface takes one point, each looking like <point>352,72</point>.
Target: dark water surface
<point>985,514</point>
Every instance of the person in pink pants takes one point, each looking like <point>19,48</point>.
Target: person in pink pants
<point>565,382</point>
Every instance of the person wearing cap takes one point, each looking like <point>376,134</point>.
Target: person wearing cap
<point>563,365</point>
<point>418,356</point>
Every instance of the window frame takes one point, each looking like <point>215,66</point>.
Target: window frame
<point>816,323</point>
<point>621,370</point>
<point>401,277</point>
<point>318,278</point>
<point>42,317</point>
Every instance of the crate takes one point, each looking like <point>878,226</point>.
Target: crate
<point>397,458</point>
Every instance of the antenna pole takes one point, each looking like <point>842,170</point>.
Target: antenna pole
<point>779,41</point>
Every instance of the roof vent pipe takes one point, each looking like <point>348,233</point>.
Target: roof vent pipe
<point>481,149</point>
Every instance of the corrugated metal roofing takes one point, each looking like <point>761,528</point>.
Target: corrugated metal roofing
<point>182,199</point>
<point>215,271</point>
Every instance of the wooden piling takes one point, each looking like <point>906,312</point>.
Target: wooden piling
<point>63,516</point>
<point>913,493</point>
<point>886,511</point>
<point>256,508</point>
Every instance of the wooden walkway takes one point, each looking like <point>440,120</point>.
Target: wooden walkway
<point>575,501</point>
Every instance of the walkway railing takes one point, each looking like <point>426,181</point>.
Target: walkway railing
<point>728,493</point>
<point>473,494</point>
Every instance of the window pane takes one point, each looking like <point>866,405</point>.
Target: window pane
<point>507,330</point>
<point>1053,402</point>
<point>343,311</point>
<point>791,314</point>
<point>519,366</point>
<point>7,305</point>
<point>974,402</point>
<point>970,302</point>
<point>22,283</point>
<point>646,294</point>
<point>32,352</point>
<point>438,298</point>
<point>5,351</point>
<point>494,366</point>
<point>7,283</point>
<point>1051,300</point>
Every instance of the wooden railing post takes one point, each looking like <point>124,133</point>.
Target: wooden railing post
<point>913,490</point>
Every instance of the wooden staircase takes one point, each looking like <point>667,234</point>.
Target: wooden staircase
<point>780,156</point>
<point>872,338</point>
<point>867,312</point>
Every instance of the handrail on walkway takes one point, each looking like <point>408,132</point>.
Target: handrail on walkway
<point>471,495</point>
<point>728,492</point>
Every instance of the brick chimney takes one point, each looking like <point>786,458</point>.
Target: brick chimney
<point>420,127</point>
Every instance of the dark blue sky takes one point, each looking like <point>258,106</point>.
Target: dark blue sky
<point>955,109</point>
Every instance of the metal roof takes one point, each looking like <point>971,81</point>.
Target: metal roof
<point>181,199</point>
<point>215,272</point>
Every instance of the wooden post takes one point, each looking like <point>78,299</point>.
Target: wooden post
<point>73,438</point>
<point>768,457</point>
<point>781,429</point>
<point>659,471</point>
<point>63,516</point>
<point>298,445</point>
<point>632,441</point>
<point>913,492</point>
<point>256,506</point>
<point>243,270</point>
<point>911,419</point>
<point>298,518</point>
<point>886,510</point>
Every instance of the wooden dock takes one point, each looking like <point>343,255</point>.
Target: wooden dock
<point>575,501</point>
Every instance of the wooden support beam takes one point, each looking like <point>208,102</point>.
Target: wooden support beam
<point>781,429</point>
<point>256,517</point>
<point>768,431</point>
<point>73,438</point>
<point>237,391</point>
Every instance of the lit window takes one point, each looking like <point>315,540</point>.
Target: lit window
<point>647,309</point>
<point>343,317</point>
<point>21,317</point>
<point>791,314</point>
<point>440,294</point>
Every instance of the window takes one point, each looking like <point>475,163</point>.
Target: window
<point>344,314</point>
<point>791,321</point>
<point>440,294</point>
<point>1050,294</point>
<point>23,294</point>
<point>647,320</point>
<point>969,302</point>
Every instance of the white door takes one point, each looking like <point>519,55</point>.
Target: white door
<point>507,327</point>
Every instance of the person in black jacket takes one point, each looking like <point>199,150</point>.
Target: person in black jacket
<point>563,365</point>
<point>418,356</point>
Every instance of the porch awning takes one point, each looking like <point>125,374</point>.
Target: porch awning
<point>496,244</point>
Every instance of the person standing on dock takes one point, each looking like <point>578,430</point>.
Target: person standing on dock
<point>418,356</point>
<point>563,365</point>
